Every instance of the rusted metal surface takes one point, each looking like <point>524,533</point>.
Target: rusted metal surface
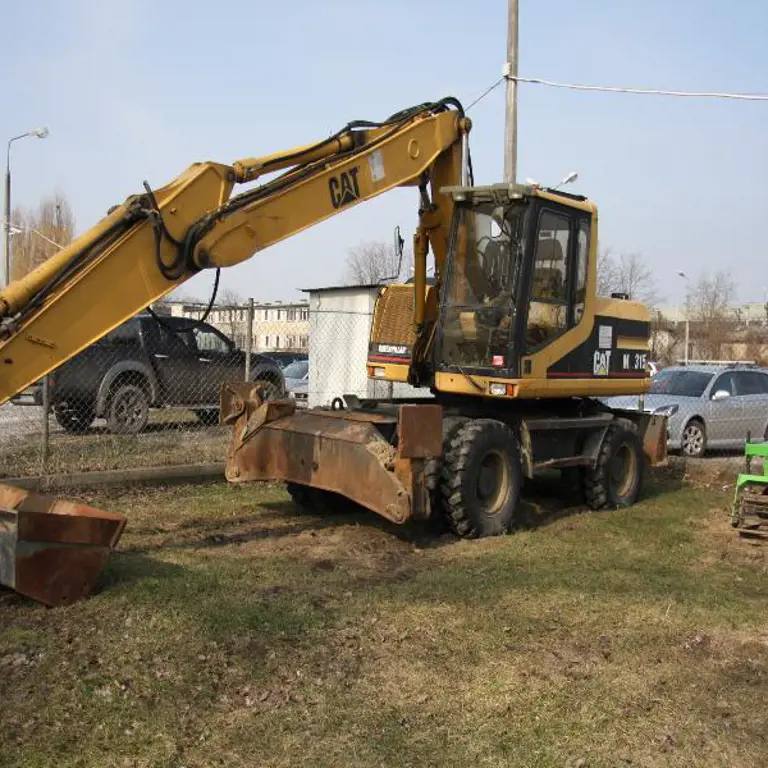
<point>420,431</point>
<point>53,550</point>
<point>655,440</point>
<point>341,452</point>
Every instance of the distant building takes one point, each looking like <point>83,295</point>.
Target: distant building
<point>744,313</point>
<point>276,324</point>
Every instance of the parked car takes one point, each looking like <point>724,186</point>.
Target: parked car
<point>709,406</point>
<point>145,363</point>
<point>284,359</point>
<point>297,381</point>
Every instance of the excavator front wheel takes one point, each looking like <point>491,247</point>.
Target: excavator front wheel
<point>317,501</point>
<point>481,478</point>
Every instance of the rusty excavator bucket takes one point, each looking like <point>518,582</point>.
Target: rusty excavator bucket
<point>376,458</point>
<point>53,550</point>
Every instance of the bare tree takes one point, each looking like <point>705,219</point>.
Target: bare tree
<point>664,339</point>
<point>38,234</point>
<point>370,263</point>
<point>230,310</point>
<point>625,273</point>
<point>606,272</point>
<point>636,279</point>
<point>708,308</point>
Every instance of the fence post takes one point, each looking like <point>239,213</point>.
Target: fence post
<point>249,341</point>
<point>44,447</point>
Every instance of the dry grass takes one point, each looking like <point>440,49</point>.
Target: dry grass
<point>166,441</point>
<point>231,631</point>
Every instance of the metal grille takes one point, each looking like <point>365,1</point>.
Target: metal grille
<point>128,402</point>
<point>393,318</point>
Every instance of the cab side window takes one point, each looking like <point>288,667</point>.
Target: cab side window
<point>548,309</point>
<point>580,281</point>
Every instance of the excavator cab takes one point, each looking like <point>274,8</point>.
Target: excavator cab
<point>515,278</point>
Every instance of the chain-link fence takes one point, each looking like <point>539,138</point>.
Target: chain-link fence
<point>711,406</point>
<point>147,394</point>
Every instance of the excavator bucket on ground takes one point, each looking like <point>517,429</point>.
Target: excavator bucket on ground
<point>349,453</point>
<point>53,550</point>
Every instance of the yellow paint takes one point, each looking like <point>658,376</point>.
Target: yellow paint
<point>123,277</point>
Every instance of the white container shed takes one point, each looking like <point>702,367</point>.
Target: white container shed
<point>339,326</point>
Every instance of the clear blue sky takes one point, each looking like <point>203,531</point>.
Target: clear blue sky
<point>139,90</point>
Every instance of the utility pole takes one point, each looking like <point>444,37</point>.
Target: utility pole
<point>510,71</point>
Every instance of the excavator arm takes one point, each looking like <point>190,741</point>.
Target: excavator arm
<point>154,242</point>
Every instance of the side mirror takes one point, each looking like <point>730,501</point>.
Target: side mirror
<point>399,243</point>
<point>721,394</point>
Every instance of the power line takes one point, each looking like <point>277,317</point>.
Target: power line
<point>641,91</point>
<point>486,92</point>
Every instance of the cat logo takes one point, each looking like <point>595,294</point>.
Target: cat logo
<point>601,363</point>
<point>344,188</point>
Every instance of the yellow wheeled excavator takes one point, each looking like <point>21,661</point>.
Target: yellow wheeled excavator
<point>510,338</point>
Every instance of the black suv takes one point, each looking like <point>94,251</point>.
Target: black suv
<point>145,363</point>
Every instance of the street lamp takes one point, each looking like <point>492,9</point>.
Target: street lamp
<point>687,322</point>
<point>38,133</point>
<point>20,230</point>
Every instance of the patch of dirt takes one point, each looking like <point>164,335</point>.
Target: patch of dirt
<point>710,473</point>
<point>725,543</point>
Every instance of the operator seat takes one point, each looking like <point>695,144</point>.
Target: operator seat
<point>547,310</point>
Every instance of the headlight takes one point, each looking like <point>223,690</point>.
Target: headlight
<point>666,410</point>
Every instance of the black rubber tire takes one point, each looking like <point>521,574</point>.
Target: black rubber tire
<point>301,495</point>
<point>127,409</point>
<point>696,424</point>
<point>620,452</point>
<point>433,468</point>
<point>316,501</point>
<point>472,446</point>
<point>74,419</point>
<point>209,417</point>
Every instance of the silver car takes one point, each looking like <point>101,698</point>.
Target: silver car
<point>708,406</point>
<point>297,381</point>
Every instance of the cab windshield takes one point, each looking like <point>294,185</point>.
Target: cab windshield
<point>481,285</point>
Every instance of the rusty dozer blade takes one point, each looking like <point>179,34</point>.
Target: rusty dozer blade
<point>374,458</point>
<point>53,550</point>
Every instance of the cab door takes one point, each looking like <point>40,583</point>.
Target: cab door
<point>556,282</point>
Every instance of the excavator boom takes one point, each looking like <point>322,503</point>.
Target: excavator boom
<point>53,551</point>
<point>154,242</point>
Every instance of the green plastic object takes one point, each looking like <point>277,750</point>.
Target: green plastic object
<point>748,506</point>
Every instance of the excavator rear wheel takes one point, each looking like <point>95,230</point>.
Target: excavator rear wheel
<point>481,478</point>
<point>617,477</point>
